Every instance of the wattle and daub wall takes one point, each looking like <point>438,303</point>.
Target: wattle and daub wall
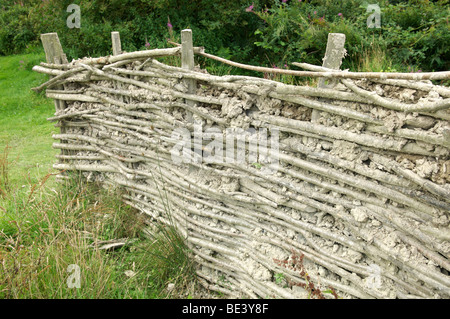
<point>352,200</point>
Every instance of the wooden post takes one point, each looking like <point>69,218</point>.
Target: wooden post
<point>333,59</point>
<point>116,45</point>
<point>187,50</point>
<point>187,60</point>
<point>117,50</point>
<point>54,54</point>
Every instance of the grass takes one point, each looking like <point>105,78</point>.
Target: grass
<point>44,230</point>
<point>374,59</point>
<point>23,114</point>
<point>45,227</point>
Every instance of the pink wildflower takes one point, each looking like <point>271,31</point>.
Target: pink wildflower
<point>250,9</point>
<point>340,14</point>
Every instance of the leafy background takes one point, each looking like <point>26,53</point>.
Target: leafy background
<point>414,34</point>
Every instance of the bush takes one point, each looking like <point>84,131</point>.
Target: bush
<point>413,33</point>
<point>216,25</point>
<point>16,31</point>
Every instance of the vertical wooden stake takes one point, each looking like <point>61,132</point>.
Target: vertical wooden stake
<point>116,45</point>
<point>117,50</point>
<point>54,54</point>
<point>333,59</point>
<point>187,62</point>
<point>187,59</point>
<point>187,49</point>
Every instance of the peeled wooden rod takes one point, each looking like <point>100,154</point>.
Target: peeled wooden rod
<point>418,135</point>
<point>48,71</point>
<point>57,78</point>
<point>346,164</point>
<point>72,114</point>
<point>427,87</point>
<point>410,175</point>
<point>148,53</point>
<point>73,97</point>
<point>376,75</point>
<point>390,104</point>
<point>352,75</point>
<point>291,125</point>
<point>398,106</point>
<point>175,94</point>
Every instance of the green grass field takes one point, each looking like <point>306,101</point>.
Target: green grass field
<point>47,226</point>
<point>23,114</point>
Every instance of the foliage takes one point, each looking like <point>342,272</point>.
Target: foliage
<point>414,33</point>
<point>16,31</point>
<point>215,24</point>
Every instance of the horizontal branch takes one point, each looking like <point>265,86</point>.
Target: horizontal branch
<point>398,106</point>
<point>375,75</point>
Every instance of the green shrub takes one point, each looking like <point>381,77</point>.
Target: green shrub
<point>216,25</point>
<point>412,33</point>
<point>16,31</point>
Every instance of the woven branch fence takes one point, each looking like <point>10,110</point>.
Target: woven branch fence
<point>360,191</point>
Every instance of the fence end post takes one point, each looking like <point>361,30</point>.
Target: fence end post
<point>332,60</point>
<point>116,44</point>
<point>187,62</point>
